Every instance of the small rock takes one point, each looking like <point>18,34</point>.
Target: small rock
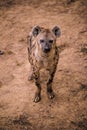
<point>1,52</point>
<point>51,116</point>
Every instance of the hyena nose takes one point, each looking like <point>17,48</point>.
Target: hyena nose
<point>46,49</point>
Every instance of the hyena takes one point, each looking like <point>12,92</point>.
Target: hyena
<point>43,54</point>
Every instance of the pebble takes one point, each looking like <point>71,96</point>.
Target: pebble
<point>1,52</point>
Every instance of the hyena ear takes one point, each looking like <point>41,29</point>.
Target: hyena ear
<point>36,30</point>
<point>56,30</point>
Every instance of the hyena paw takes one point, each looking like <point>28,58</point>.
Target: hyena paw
<point>51,95</point>
<point>37,98</point>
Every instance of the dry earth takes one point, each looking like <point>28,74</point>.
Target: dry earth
<point>68,110</point>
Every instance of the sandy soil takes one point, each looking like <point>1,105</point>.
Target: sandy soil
<point>68,110</point>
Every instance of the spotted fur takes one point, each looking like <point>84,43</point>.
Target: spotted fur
<point>43,53</point>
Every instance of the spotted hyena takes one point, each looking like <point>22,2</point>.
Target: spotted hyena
<point>43,54</point>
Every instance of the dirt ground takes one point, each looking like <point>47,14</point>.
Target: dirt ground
<point>68,110</point>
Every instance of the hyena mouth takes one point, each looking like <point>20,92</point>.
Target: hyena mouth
<point>46,50</point>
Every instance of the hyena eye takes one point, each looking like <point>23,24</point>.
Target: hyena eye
<point>50,41</point>
<point>41,41</point>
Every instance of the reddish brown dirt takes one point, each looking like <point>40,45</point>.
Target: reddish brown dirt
<point>68,110</point>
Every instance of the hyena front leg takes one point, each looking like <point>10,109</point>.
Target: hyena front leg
<point>49,83</point>
<point>52,73</point>
<point>37,83</point>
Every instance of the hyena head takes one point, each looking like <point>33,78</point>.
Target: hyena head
<point>46,38</point>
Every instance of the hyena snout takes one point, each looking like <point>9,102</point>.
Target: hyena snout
<point>46,49</point>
